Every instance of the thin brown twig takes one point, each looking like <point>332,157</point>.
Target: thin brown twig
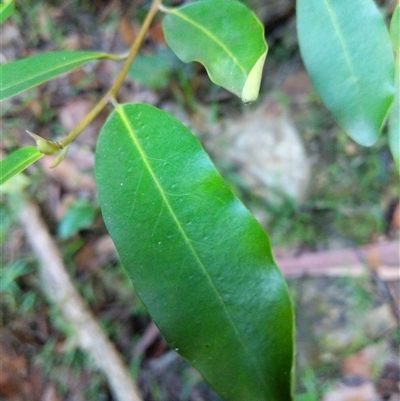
<point>60,289</point>
<point>112,92</point>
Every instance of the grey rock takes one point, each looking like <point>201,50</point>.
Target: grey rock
<point>265,148</point>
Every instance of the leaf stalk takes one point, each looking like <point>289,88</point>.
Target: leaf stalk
<point>112,92</point>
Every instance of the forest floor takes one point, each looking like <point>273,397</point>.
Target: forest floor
<point>337,243</point>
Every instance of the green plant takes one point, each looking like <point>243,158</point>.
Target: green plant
<point>198,259</point>
<point>9,289</point>
<point>309,383</point>
<point>6,9</point>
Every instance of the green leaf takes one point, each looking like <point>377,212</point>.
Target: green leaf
<point>394,132</point>
<point>45,146</point>
<point>395,29</point>
<point>394,119</point>
<point>80,215</point>
<point>200,262</point>
<point>6,9</point>
<point>9,275</point>
<point>154,70</point>
<point>21,75</point>
<point>347,52</point>
<point>18,161</point>
<point>226,37</point>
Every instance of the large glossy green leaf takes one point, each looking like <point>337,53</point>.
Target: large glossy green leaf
<point>394,122</point>
<point>394,118</point>
<point>346,49</point>
<point>21,75</point>
<point>395,29</point>
<point>18,161</point>
<point>198,259</point>
<point>6,9</point>
<point>223,35</point>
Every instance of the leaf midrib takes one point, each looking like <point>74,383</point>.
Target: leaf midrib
<point>69,63</point>
<point>187,240</point>
<point>213,37</point>
<point>346,53</point>
<point>16,168</point>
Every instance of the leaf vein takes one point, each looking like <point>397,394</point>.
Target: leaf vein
<point>213,37</point>
<point>346,53</point>
<point>188,241</point>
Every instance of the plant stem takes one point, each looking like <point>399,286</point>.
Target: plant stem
<point>86,121</point>
<point>112,92</point>
<point>58,286</point>
<point>135,47</point>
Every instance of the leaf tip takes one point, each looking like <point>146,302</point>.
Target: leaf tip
<point>251,87</point>
<point>44,146</point>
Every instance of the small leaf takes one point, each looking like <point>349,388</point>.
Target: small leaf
<point>200,262</point>
<point>11,273</point>
<point>79,216</point>
<point>394,117</point>
<point>18,161</point>
<point>21,75</point>
<point>154,70</point>
<point>226,37</point>
<point>395,29</point>
<point>347,52</point>
<point>44,146</point>
<point>60,157</point>
<point>6,9</point>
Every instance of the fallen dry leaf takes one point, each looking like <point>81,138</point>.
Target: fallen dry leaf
<point>156,33</point>
<point>95,254</point>
<point>105,248</point>
<point>362,363</point>
<point>73,112</point>
<point>127,30</point>
<point>50,394</point>
<point>14,380</point>
<point>67,175</point>
<point>396,216</point>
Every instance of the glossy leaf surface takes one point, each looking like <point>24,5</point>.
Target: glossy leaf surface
<point>18,161</point>
<point>394,118</point>
<point>395,29</point>
<point>6,9</point>
<point>346,49</point>
<point>394,124</point>
<point>226,37</point>
<point>26,73</point>
<point>200,262</point>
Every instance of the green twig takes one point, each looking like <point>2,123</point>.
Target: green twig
<point>112,92</point>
